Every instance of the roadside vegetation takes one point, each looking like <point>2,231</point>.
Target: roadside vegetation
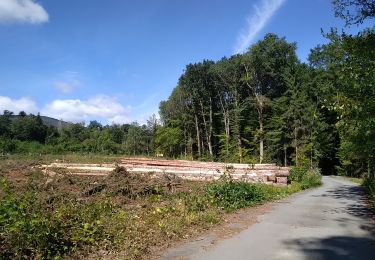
<point>122,215</point>
<point>369,184</point>
<point>306,177</point>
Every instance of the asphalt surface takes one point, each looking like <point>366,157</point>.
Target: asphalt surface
<point>330,222</point>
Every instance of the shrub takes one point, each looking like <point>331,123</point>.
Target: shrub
<point>369,184</point>
<point>231,195</point>
<point>30,228</point>
<point>7,145</point>
<point>307,177</point>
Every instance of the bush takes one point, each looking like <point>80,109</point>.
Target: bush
<point>231,195</point>
<point>369,184</point>
<point>307,177</point>
<point>30,228</point>
<point>7,145</point>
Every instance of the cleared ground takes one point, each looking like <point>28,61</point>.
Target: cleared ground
<point>74,212</point>
<point>331,222</point>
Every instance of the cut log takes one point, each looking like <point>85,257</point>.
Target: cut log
<point>283,180</point>
<point>282,174</point>
<point>271,178</point>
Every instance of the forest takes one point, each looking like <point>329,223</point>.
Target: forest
<point>261,106</point>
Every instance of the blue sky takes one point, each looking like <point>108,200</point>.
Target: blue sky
<point>115,60</point>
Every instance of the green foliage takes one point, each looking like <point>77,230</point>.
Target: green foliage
<point>346,70</point>
<point>168,140</point>
<point>196,202</point>
<point>28,134</point>
<point>29,227</point>
<point>5,123</point>
<point>234,195</point>
<point>7,145</point>
<point>29,128</point>
<point>306,177</point>
<point>227,109</point>
<point>319,115</point>
<point>369,184</point>
<point>354,11</point>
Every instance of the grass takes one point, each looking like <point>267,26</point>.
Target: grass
<point>125,214</point>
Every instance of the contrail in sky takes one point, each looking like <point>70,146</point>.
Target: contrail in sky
<point>262,13</point>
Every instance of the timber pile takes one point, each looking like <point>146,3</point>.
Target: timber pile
<point>192,170</point>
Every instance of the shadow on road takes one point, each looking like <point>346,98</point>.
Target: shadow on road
<point>337,247</point>
<point>354,194</point>
<point>357,203</point>
<point>343,247</point>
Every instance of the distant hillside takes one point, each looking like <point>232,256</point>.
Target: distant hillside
<point>49,121</point>
<point>54,122</point>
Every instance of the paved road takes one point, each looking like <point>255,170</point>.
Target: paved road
<point>330,222</point>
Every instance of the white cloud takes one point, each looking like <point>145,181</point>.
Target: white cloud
<point>16,105</point>
<point>96,108</point>
<point>102,108</point>
<point>26,11</point>
<point>256,21</point>
<point>121,119</point>
<point>66,86</point>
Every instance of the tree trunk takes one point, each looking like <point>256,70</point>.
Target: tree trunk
<point>260,100</point>
<point>296,145</point>
<point>198,135</point>
<point>312,148</point>
<point>207,128</point>
<point>226,125</point>
<point>238,128</point>
<point>186,141</point>
<point>227,133</point>
<point>261,141</point>
<point>370,169</point>
<point>285,157</point>
<point>260,106</point>
<point>191,145</point>
<point>210,131</point>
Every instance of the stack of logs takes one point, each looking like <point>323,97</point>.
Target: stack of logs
<point>192,170</point>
